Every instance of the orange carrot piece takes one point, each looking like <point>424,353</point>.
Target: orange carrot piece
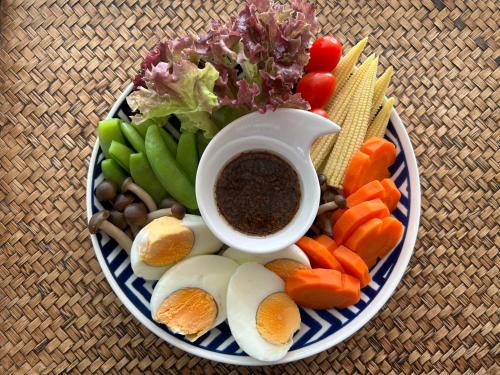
<point>371,190</point>
<point>380,149</point>
<point>392,194</point>
<point>375,238</point>
<point>319,255</point>
<point>337,214</point>
<point>327,242</point>
<point>355,172</point>
<point>370,163</point>
<point>356,216</point>
<point>323,288</point>
<point>353,264</point>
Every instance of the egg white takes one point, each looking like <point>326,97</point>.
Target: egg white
<point>204,243</point>
<point>210,273</point>
<point>248,287</point>
<point>292,252</point>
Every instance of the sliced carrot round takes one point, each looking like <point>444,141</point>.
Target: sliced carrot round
<point>356,216</point>
<point>327,242</point>
<point>353,264</point>
<point>323,288</point>
<point>367,192</point>
<point>319,255</point>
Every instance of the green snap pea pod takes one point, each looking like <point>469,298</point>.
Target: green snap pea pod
<point>133,137</point>
<point>201,142</point>
<point>169,141</point>
<point>108,131</point>
<point>113,172</point>
<point>142,128</point>
<point>121,154</point>
<point>167,170</point>
<point>144,176</point>
<point>187,154</point>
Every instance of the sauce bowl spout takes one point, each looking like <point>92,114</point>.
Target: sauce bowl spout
<point>288,133</point>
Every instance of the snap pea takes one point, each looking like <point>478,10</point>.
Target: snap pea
<point>142,128</point>
<point>167,170</point>
<point>144,176</point>
<point>133,137</point>
<point>121,154</point>
<point>169,141</point>
<point>187,155</point>
<point>108,131</point>
<point>113,172</point>
<point>201,142</point>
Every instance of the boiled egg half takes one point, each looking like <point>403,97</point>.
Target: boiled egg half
<point>190,298</point>
<point>261,316</point>
<point>167,240</point>
<point>282,262</point>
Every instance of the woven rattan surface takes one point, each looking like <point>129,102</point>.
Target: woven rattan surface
<point>62,65</point>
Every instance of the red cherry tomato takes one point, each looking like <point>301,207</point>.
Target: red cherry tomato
<point>317,88</point>
<point>324,54</point>
<point>321,112</point>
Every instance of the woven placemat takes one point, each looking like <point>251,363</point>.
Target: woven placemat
<point>62,65</point>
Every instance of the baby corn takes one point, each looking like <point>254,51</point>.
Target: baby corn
<point>381,86</point>
<point>353,130</point>
<point>379,124</point>
<point>346,64</point>
<point>338,112</point>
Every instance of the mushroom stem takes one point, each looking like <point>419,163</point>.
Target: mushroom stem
<point>324,224</point>
<point>158,213</point>
<point>143,195</point>
<point>117,234</point>
<point>330,206</point>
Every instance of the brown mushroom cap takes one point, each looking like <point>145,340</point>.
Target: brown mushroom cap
<point>96,220</point>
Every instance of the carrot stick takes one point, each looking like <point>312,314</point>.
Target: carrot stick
<point>327,242</point>
<point>323,288</point>
<point>353,264</point>
<point>392,194</point>
<point>319,255</point>
<point>369,191</point>
<point>356,216</point>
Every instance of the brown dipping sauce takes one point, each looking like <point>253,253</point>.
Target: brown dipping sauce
<point>258,193</point>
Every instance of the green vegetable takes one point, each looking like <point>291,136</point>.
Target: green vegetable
<point>142,128</point>
<point>187,154</point>
<point>144,176</point>
<point>226,114</point>
<point>169,141</point>
<point>108,131</point>
<point>121,154</point>
<point>181,88</point>
<point>201,142</point>
<point>167,170</point>
<point>193,121</point>
<point>112,171</point>
<point>133,137</point>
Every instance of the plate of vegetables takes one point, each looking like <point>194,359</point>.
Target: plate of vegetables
<point>165,149</point>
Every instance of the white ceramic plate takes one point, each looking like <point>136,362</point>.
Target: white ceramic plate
<point>320,329</point>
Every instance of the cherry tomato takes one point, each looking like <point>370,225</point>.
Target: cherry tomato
<point>324,54</point>
<point>316,88</point>
<point>321,112</point>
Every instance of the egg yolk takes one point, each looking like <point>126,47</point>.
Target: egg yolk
<point>284,267</point>
<point>188,311</point>
<point>168,241</point>
<point>278,318</point>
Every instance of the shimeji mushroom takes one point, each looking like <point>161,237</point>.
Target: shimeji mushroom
<point>143,195</point>
<point>99,221</point>
<point>176,210</point>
